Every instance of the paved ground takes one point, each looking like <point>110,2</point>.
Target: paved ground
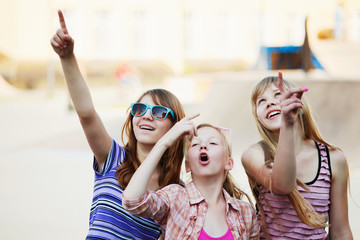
<point>46,177</point>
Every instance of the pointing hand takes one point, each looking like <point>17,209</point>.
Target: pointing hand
<point>62,42</point>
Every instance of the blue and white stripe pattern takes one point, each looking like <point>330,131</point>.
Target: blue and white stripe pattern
<point>108,219</point>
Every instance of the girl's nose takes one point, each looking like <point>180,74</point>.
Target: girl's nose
<point>147,114</point>
<point>203,147</point>
<point>271,103</point>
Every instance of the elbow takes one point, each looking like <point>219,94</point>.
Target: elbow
<point>87,116</point>
<point>137,207</point>
<point>283,188</point>
<point>286,192</point>
<point>128,204</point>
<point>282,191</point>
<point>128,197</point>
<point>282,185</point>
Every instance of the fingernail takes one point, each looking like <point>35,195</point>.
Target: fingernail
<point>305,89</point>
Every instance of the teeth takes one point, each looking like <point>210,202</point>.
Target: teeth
<point>147,128</point>
<point>273,113</point>
<point>203,157</point>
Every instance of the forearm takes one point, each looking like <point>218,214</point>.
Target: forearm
<point>284,168</point>
<point>152,205</point>
<point>140,180</point>
<point>78,89</point>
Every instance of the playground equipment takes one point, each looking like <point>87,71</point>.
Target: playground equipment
<point>288,57</point>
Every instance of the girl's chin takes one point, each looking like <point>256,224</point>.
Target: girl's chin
<point>273,127</point>
<point>149,143</point>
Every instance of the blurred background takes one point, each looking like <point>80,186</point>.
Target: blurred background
<point>208,53</point>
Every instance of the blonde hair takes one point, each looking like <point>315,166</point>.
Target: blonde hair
<point>229,184</point>
<point>309,130</point>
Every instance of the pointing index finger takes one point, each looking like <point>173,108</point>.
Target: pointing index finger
<point>191,117</point>
<point>62,21</point>
<point>281,82</point>
<point>300,92</point>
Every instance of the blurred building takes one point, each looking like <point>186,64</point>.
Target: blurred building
<point>162,37</point>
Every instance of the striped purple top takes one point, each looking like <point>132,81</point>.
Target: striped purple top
<point>289,225</point>
<point>108,219</point>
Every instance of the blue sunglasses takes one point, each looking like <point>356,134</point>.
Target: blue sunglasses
<point>157,111</point>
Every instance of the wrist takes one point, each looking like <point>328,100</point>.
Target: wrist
<point>162,144</point>
<point>67,57</point>
<point>287,123</point>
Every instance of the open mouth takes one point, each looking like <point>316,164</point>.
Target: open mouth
<point>204,159</point>
<point>148,128</point>
<point>273,114</point>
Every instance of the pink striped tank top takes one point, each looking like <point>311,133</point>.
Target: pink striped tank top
<point>289,225</point>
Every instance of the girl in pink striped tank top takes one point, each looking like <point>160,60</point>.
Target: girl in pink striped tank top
<point>297,190</point>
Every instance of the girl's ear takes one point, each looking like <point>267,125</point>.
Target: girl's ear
<point>230,164</point>
<point>187,166</point>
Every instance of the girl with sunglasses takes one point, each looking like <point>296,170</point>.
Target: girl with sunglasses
<point>154,114</point>
<point>299,180</point>
<point>209,207</point>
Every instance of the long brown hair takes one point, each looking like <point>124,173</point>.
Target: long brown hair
<point>170,162</point>
<point>269,145</point>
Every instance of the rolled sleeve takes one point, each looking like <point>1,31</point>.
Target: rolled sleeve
<point>135,206</point>
<point>152,205</point>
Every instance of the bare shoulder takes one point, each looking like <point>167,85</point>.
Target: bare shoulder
<point>253,161</point>
<point>338,162</point>
<point>254,152</point>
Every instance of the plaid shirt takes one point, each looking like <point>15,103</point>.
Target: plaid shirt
<point>180,211</point>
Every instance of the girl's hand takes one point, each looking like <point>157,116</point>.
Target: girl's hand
<point>140,180</point>
<point>62,42</point>
<point>290,102</point>
<point>184,127</point>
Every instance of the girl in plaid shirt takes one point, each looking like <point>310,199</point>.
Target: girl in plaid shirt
<point>209,207</point>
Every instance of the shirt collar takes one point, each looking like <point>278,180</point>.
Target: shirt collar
<point>230,201</point>
<point>195,196</point>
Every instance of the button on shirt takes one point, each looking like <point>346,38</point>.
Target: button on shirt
<point>180,211</point>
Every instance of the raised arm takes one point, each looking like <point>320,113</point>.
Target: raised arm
<point>96,134</point>
<point>281,177</point>
<point>139,181</point>
<point>284,168</point>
